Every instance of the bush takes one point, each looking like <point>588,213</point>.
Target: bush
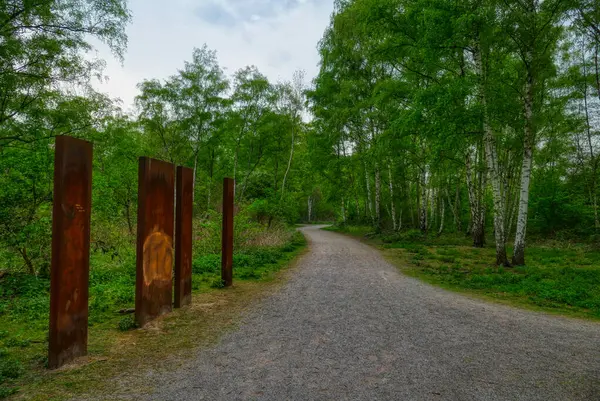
<point>207,264</point>
<point>217,283</point>
<point>10,369</point>
<point>127,323</point>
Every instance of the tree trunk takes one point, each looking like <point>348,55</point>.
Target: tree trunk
<point>211,172</point>
<point>369,208</point>
<point>377,198</point>
<point>477,228</point>
<point>309,208</point>
<point>289,164</point>
<point>400,220</point>
<point>343,211</point>
<point>194,175</point>
<point>453,209</point>
<point>27,260</point>
<point>457,208</point>
<point>392,203</point>
<point>442,212</point>
<point>431,195</point>
<point>424,203</point>
<point>519,251</point>
<point>593,163</point>
<point>493,167</point>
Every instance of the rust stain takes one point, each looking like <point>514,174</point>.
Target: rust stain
<point>158,256</point>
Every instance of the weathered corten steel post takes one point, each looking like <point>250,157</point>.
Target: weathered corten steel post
<point>154,264</point>
<point>70,269</point>
<point>227,237</point>
<point>183,236</point>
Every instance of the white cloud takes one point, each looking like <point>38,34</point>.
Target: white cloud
<point>278,36</point>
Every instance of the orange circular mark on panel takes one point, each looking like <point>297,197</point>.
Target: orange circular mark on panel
<point>158,257</point>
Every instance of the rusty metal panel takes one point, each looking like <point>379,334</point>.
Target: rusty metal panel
<point>69,276</point>
<point>154,264</point>
<point>227,237</point>
<point>183,236</point>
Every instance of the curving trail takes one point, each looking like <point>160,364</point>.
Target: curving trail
<point>349,326</point>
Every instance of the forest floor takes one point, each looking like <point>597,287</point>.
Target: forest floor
<point>116,349</point>
<point>348,326</point>
<point>560,277</point>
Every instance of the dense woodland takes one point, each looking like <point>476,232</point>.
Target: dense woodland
<point>476,117</point>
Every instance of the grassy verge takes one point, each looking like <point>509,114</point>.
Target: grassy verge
<point>114,347</point>
<point>558,278</point>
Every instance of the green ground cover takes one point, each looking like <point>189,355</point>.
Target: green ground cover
<point>24,298</point>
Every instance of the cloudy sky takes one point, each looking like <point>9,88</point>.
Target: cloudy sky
<point>277,36</point>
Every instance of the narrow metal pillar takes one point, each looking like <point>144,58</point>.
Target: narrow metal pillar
<point>154,263</point>
<point>70,266</point>
<point>183,236</point>
<point>227,237</point>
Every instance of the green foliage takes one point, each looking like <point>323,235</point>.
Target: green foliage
<point>209,264</point>
<point>127,323</point>
<point>427,114</point>
<point>24,298</point>
<point>254,263</point>
<point>217,283</point>
<point>9,369</point>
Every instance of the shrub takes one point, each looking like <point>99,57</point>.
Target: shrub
<point>217,283</point>
<point>127,323</point>
<point>10,368</point>
<point>210,264</point>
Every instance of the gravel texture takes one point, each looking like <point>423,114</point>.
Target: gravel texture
<point>349,326</point>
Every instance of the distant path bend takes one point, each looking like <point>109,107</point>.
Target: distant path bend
<point>349,326</point>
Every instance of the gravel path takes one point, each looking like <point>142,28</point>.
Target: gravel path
<point>348,326</point>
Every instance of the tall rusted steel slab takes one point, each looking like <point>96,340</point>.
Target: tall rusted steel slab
<point>183,236</point>
<point>154,263</point>
<point>70,266</point>
<point>227,236</point>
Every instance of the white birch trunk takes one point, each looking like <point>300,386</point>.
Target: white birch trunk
<point>442,213</point>
<point>400,220</point>
<point>499,195</point>
<point>519,250</point>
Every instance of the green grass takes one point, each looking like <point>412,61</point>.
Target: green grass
<point>561,278</point>
<point>24,304</point>
<point>351,230</point>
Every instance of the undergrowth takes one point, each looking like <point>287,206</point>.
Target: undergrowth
<point>24,299</point>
